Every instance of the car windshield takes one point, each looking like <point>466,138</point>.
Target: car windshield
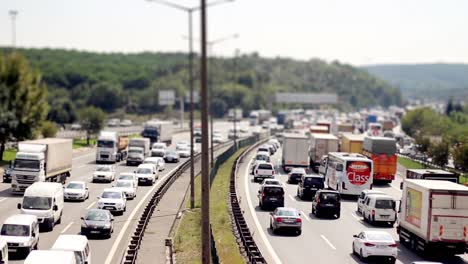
<point>286,213</point>
<point>105,144</point>
<point>75,185</point>
<point>330,197</point>
<point>183,147</point>
<point>26,164</point>
<point>143,170</point>
<point>384,204</point>
<point>158,147</point>
<point>125,177</point>
<point>15,230</point>
<point>270,182</point>
<point>97,216</point>
<point>103,169</point>
<point>273,190</point>
<point>265,166</point>
<point>37,203</point>
<point>263,157</point>
<point>379,237</point>
<point>112,195</point>
<point>172,153</point>
<point>123,184</point>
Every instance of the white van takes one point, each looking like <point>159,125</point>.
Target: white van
<point>44,200</point>
<point>50,257</point>
<point>362,197</point>
<point>77,244</point>
<point>3,251</point>
<point>21,232</point>
<point>349,173</point>
<point>379,208</point>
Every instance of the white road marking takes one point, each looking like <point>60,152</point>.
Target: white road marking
<point>1,200</point>
<point>85,155</point>
<point>305,216</point>
<point>66,228</point>
<point>328,242</point>
<point>91,205</point>
<point>355,217</point>
<point>292,198</point>
<point>111,254</point>
<point>257,223</point>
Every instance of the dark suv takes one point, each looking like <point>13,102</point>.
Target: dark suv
<point>309,185</point>
<point>271,196</point>
<point>326,203</point>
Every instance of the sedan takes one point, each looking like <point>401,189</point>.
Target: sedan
<point>375,244</point>
<point>112,200</point>
<point>171,156</point>
<point>127,187</point>
<point>128,176</point>
<point>183,151</point>
<point>97,222</point>
<point>76,191</point>
<point>286,218</point>
<point>104,173</point>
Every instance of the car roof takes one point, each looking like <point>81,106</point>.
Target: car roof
<point>127,173</point>
<point>272,185</point>
<point>328,191</point>
<point>287,209</point>
<point>111,190</point>
<point>298,170</point>
<point>79,182</point>
<point>267,163</point>
<point>70,242</point>
<point>316,176</point>
<point>103,166</point>
<point>376,232</point>
<point>381,196</point>
<point>43,189</point>
<point>146,165</point>
<point>261,152</point>
<point>52,256</point>
<point>20,219</point>
<point>368,191</point>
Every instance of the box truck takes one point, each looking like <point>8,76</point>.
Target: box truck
<point>138,150</point>
<point>382,151</point>
<point>158,131</point>
<point>41,160</point>
<point>295,151</point>
<point>433,217</point>
<point>320,145</point>
<point>111,147</point>
<point>352,143</point>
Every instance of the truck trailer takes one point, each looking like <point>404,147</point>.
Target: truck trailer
<point>41,160</point>
<point>295,151</point>
<point>433,217</point>
<point>321,145</point>
<point>351,143</point>
<point>111,147</point>
<point>158,131</point>
<point>382,151</point>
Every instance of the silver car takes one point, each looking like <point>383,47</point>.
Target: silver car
<point>286,218</point>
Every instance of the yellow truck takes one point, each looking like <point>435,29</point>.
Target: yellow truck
<point>351,143</point>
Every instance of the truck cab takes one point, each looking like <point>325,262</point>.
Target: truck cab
<point>111,147</point>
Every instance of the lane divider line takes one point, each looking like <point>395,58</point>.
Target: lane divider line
<point>356,217</point>
<point>292,198</point>
<point>67,227</point>
<point>328,242</point>
<point>91,205</point>
<point>270,249</point>
<point>305,216</point>
<point>1,200</point>
<point>118,240</point>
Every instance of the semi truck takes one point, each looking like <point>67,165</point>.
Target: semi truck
<point>138,150</point>
<point>351,143</point>
<point>111,147</point>
<point>321,145</point>
<point>41,160</point>
<point>433,217</point>
<point>295,151</point>
<point>382,151</point>
<point>158,131</point>
<point>234,113</point>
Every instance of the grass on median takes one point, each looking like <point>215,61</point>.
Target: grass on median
<point>81,143</point>
<point>188,237</point>
<point>409,164</point>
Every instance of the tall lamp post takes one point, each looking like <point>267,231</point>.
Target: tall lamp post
<point>13,14</point>
<point>190,11</point>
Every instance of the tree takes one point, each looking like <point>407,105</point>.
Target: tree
<point>449,107</point>
<point>423,143</point>
<point>218,108</point>
<point>92,121</point>
<point>439,153</point>
<point>23,99</point>
<point>460,156</point>
<point>48,129</point>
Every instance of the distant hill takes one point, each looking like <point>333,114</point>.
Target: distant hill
<point>435,80</point>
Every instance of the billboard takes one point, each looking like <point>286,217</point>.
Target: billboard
<point>166,97</point>
<point>307,98</point>
<point>413,207</point>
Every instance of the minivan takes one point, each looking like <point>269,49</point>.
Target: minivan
<point>77,244</point>
<point>309,185</point>
<point>270,196</point>
<point>44,200</point>
<point>326,203</point>
<point>379,208</point>
<point>363,196</point>
<point>21,232</point>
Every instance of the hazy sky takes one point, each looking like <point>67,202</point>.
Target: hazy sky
<point>353,31</point>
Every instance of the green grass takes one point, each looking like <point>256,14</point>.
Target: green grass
<point>463,179</point>
<point>409,164</point>
<point>80,143</point>
<point>8,156</point>
<point>188,238</point>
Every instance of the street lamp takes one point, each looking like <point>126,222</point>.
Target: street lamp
<point>13,14</point>
<point>190,11</point>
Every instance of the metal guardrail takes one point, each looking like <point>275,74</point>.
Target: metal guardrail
<point>242,230</point>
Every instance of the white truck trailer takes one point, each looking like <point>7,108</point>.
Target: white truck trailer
<point>41,160</point>
<point>433,217</point>
<point>295,151</point>
<point>321,145</point>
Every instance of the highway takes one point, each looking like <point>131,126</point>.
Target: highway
<point>104,251</point>
<point>322,240</point>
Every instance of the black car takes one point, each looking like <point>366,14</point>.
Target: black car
<point>271,196</point>
<point>97,222</point>
<point>295,175</point>
<point>309,185</point>
<point>7,174</point>
<point>198,139</point>
<point>326,203</point>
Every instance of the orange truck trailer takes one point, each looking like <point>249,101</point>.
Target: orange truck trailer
<point>382,151</point>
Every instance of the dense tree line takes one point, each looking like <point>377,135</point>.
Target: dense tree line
<point>130,82</point>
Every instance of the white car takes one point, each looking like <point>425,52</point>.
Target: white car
<point>271,182</point>
<point>264,170</point>
<point>76,190</point>
<point>362,197</point>
<point>113,200</point>
<point>146,173</point>
<point>128,187</point>
<point>104,173</point>
<point>183,151</point>
<point>375,244</point>
<point>182,143</point>
<point>128,176</point>
<point>158,150</point>
<point>158,161</point>
<point>218,137</point>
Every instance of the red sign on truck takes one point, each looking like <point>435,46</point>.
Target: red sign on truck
<point>358,172</point>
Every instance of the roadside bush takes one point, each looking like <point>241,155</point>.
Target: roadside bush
<point>48,129</point>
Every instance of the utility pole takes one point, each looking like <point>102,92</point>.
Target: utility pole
<point>206,238</point>
<point>13,14</point>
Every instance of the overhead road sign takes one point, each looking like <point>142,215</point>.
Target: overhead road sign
<point>307,98</point>
<point>166,97</point>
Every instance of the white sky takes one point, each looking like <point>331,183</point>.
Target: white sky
<point>353,31</point>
